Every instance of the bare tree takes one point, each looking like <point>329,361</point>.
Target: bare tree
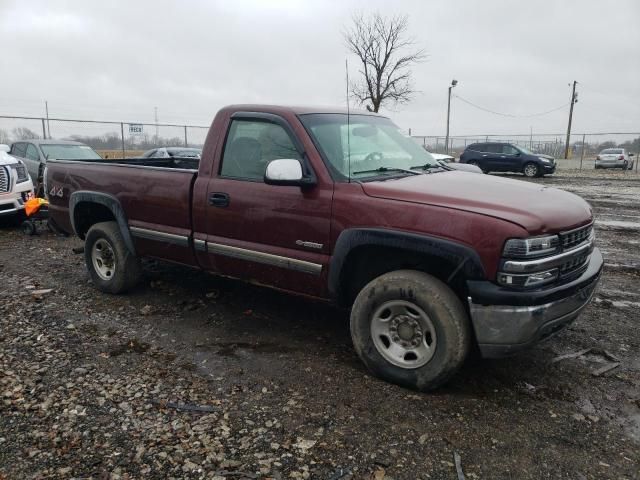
<point>386,54</point>
<point>23,133</point>
<point>4,137</point>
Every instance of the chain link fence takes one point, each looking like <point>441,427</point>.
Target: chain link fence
<point>129,139</point>
<point>110,139</point>
<point>583,148</point>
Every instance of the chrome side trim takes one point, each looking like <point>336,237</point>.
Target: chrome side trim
<point>200,245</point>
<point>265,258</point>
<point>147,234</point>
<point>545,263</point>
<point>126,165</point>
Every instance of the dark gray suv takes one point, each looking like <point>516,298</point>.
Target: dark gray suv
<point>506,157</point>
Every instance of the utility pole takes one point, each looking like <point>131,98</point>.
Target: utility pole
<point>155,109</point>
<point>574,99</point>
<point>46,107</point>
<point>530,137</point>
<point>446,142</point>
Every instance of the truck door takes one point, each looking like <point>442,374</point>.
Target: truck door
<point>271,234</point>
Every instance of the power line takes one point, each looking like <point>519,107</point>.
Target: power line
<point>509,114</point>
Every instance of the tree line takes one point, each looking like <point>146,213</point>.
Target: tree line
<point>108,141</point>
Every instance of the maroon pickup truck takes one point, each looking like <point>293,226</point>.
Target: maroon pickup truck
<point>345,208</point>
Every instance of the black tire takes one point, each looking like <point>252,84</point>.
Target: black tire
<point>625,166</point>
<point>476,164</point>
<point>448,317</point>
<point>28,227</point>
<point>531,170</point>
<point>125,268</point>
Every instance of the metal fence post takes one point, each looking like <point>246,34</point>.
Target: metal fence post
<point>582,153</point>
<point>122,138</point>
<point>185,136</point>
<point>44,130</point>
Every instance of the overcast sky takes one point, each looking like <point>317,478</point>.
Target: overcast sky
<point>118,60</point>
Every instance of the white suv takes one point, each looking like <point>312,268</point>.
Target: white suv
<point>614,158</point>
<point>15,185</point>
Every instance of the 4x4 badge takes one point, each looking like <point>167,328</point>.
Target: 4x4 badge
<point>56,192</point>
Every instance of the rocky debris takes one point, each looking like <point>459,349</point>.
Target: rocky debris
<point>193,377</point>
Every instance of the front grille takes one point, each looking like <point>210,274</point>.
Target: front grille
<point>4,180</point>
<point>573,263</point>
<point>575,237</point>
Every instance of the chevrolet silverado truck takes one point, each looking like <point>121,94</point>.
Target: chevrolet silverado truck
<point>343,207</point>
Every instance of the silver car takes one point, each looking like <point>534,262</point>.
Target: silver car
<point>614,158</point>
<point>34,153</point>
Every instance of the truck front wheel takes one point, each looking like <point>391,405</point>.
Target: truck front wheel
<point>112,267</point>
<point>409,328</point>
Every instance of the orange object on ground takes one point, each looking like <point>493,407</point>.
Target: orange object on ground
<point>32,205</point>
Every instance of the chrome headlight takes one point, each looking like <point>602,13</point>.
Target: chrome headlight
<point>531,247</point>
<point>21,172</point>
<point>545,160</point>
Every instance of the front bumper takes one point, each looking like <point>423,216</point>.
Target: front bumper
<point>13,202</point>
<point>506,321</point>
<point>549,168</point>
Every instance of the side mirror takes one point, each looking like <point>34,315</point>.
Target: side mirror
<point>4,148</point>
<point>632,154</point>
<point>287,171</point>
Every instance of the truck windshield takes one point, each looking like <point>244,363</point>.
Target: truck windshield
<point>365,146</point>
<point>69,152</point>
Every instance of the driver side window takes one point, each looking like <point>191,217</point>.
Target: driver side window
<point>251,145</point>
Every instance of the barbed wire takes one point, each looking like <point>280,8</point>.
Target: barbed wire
<point>509,114</point>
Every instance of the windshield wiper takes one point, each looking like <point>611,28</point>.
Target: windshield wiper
<point>428,166</point>
<point>386,169</point>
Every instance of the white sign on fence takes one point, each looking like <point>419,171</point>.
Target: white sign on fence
<point>135,129</point>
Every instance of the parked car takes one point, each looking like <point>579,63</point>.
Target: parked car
<point>167,152</point>
<point>34,153</point>
<point>15,185</point>
<point>614,158</point>
<point>430,260</point>
<point>449,161</point>
<point>441,157</point>
<point>506,157</point>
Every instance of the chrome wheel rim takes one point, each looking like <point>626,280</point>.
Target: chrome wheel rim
<point>530,170</point>
<point>103,259</point>
<point>403,334</point>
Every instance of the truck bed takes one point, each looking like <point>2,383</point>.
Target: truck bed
<point>154,193</point>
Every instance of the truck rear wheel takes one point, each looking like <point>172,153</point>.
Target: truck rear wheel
<point>112,267</point>
<point>409,328</point>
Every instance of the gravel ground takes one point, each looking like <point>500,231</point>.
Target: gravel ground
<point>191,376</point>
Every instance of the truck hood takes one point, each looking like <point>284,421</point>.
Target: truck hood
<point>536,208</point>
<point>6,159</point>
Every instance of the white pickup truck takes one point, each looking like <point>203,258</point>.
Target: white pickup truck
<point>15,184</point>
